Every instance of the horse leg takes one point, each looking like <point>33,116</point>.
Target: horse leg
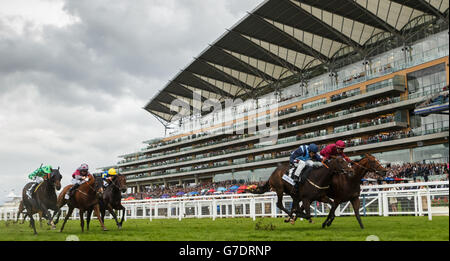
<point>356,204</point>
<point>306,206</point>
<point>294,208</point>
<point>326,199</point>
<point>123,214</point>
<point>82,219</point>
<point>32,224</point>
<point>40,219</point>
<point>103,214</point>
<point>281,206</point>
<point>69,213</point>
<point>331,215</point>
<point>113,213</point>
<point>18,214</point>
<point>97,213</point>
<point>57,214</point>
<point>88,218</point>
<point>24,216</point>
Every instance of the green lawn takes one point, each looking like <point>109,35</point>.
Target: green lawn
<point>403,228</point>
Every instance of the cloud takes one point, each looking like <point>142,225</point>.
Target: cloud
<point>74,76</point>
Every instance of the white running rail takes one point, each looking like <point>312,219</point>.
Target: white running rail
<point>418,199</point>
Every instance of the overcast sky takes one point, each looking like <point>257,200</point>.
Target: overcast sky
<point>74,76</point>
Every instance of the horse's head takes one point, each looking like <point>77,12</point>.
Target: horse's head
<point>98,185</point>
<point>372,164</point>
<point>339,166</point>
<point>55,178</point>
<point>120,181</point>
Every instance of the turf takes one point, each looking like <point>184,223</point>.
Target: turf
<point>399,228</point>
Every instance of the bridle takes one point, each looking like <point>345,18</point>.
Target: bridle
<point>114,181</point>
<point>372,169</point>
<point>87,183</point>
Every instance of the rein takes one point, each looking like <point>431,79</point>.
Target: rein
<point>89,187</point>
<point>368,169</point>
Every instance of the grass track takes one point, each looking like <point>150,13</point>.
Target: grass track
<point>401,228</point>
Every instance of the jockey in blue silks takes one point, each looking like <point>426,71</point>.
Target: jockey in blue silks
<point>303,157</point>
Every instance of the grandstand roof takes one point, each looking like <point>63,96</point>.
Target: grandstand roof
<point>283,38</point>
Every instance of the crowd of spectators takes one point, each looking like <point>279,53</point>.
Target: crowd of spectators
<point>414,170</point>
<point>438,99</point>
<point>209,188</point>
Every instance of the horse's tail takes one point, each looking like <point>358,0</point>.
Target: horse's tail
<point>261,189</point>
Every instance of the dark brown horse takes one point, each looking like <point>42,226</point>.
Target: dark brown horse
<point>84,198</point>
<point>25,214</point>
<point>345,189</point>
<point>111,200</point>
<point>315,187</point>
<point>44,197</point>
<point>309,191</point>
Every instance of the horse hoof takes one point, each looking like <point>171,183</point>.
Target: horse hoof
<point>292,222</point>
<point>287,220</point>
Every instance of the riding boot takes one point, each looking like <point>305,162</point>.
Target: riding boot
<point>30,190</point>
<point>72,189</point>
<point>296,180</point>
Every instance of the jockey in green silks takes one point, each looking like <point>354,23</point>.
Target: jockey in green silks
<point>38,176</point>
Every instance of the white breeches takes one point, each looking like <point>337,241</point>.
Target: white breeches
<point>301,165</point>
<point>38,180</point>
<point>78,180</point>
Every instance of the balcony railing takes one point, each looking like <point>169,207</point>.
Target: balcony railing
<point>432,89</point>
<point>281,155</point>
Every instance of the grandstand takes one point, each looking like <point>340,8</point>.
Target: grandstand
<point>302,71</point>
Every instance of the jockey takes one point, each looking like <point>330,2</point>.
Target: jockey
<point>78,178</point>
<point>335,150</point>
<point>304,157</point>
<point>107,176</point>
<point>38,176</point>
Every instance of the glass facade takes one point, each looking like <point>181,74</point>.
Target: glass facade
<point>256,175</point>
<point>427,154</point>
<point>427,80</point>
<point>431,154</point>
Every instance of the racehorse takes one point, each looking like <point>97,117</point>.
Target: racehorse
<point>25,214</point>
<point>345,188</point>
<point>111,200</point>
<point>44,197</point>
<point>320,177</point>
<point>314,187</point>
<point>84,198</point>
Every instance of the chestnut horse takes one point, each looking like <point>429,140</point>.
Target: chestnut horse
<point>44,197</point>
<point>111,199</point>
<point>345,188</point>
<point>84,198</point>
<point>313,189</point>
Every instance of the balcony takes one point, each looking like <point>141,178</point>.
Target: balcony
<point>401,139</point>
<point>246,138</point>
<point>296,141</point>
<point>345,116</point>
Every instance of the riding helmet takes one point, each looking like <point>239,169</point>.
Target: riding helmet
<point>313,148</point>
<point>112,171</point>
<point>340,144</point>
<point>47,169</point>
<point>83,166</point>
